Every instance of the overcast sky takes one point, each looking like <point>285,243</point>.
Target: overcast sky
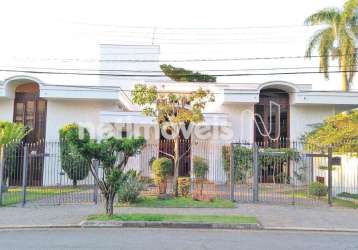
<point>73,29</point>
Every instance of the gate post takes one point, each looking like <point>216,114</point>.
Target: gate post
<point>95,187</point>
<point>2,167</point>
<point>255,189</point>
<point>232,173</point>
<point>330,196</point>
<point>25,166</point>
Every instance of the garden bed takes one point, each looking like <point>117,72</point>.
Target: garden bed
<point>222,219</point>
<point>179,202</point>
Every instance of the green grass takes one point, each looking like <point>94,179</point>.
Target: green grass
<point>345,203</point>
<point>14,195</point>
<point>179,202</point>
<point>348,195</point>
<point>225,219</point>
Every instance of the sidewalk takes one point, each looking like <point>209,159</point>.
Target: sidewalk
<point>267,215</point>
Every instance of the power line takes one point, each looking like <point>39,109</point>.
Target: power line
<point>162,75</point>
<point>187,60</point>
<point>196,28</point>
<point>160,71</point>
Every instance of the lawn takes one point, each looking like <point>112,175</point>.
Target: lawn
<point>225,219</point>
<point>14,195</point>
<point>179,202</point>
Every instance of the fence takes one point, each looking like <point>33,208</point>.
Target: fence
<point>50,173</point>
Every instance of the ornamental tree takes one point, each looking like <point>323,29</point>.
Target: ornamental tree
<point>172,111</point>
<point>184,75</point>
<point>339,131</point>
<point>112,154</point>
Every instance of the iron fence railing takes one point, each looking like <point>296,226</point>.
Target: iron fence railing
<point>48,173</point>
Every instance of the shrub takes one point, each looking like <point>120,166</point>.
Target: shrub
<point>162,167</point>
<point>184,186</point>
<point>130,189</point>
<point>317,189</point>
<point>74,165</point>
<point>201,168</point>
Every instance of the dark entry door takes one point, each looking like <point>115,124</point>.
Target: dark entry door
<point>30,110</point>
<point>167,146</point>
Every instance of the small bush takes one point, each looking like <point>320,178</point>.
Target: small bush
<point>201,168</point>
<point>184,186</point>
<point>130,189</point>
<point>162,168</point>
<point>317,189</point>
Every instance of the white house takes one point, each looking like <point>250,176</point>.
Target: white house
<point>48,101</point>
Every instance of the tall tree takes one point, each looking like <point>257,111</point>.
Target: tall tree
<point>184,75</point>
<point>173,111</point>
<point>337,40</point>
<point>339,131</point>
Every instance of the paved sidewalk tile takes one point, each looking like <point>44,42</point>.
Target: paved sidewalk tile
<point>268,215</point>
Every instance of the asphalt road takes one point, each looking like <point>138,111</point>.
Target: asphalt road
<point>156,239</point>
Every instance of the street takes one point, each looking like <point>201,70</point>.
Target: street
<point>173,239</point>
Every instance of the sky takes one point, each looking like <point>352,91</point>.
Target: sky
<point>42,33</point>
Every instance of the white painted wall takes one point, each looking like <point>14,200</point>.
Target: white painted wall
<point>6,109</point>
<point>241,118</point>
<point>62,112</point>
<point>303,117</point>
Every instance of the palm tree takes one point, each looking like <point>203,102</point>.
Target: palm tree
<point>9,133</point>
<point>336,40</point>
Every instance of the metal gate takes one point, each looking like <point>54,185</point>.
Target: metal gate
<point>275,175</point>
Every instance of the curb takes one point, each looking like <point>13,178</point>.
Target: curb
<point>166,224</point>
<point>12,227</point>
<point>311,229</point>
<point>179,225</point>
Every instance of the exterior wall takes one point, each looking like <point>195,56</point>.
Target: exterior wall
<point>303,117</point>
<point>6,109</point>
<point>241,118</point>
<point>62,112</point>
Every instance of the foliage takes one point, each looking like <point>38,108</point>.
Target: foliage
<point>337,39</point>
<point>11,132</point>
<point>113,154</point>
<point>181,202</point>
<point>243,160</point>
<point>184,186</point>
<point>11,135</point>
<point>75,166</point>
<point>201,168</point>
<point>317,189</point>
<point>172,111</point>
<point>339,131</point>
<point>162,167</point>
<point>131,187</point>
<point>183,75</point>
<point>223,219</point>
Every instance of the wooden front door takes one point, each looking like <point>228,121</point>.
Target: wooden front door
<point>167,146</point>
<point>30,110</point>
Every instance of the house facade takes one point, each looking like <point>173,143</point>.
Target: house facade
<point>252,112</point>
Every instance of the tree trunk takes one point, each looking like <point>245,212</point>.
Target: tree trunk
<point>74,183</point>
<point>109,203</point>
<point>345,86</point>
<point>176,167</point>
